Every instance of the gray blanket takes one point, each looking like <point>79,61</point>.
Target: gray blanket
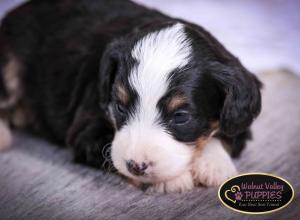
<point>39,181</point>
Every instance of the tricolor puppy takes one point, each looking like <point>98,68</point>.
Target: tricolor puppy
<point>159,97</point>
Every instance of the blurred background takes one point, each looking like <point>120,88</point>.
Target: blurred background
<point>264,34</point>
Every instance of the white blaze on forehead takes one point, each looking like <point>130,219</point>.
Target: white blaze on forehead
<point>158,54</point>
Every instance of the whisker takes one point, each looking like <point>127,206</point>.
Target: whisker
<point>105,153</point>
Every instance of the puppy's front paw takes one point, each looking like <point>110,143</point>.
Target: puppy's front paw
<point>181,183</point>
<point>213,166</point>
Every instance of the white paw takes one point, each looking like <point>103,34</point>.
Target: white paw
<point>213,166</point>
<point>5,137</point>
<point>180,184</point>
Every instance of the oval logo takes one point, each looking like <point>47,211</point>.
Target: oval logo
<point>256,193</point>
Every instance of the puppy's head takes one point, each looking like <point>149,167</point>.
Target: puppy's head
<point>166,88</point>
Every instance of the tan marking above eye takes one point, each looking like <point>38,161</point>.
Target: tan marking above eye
<point>122,93</point>
<point>175,102</point>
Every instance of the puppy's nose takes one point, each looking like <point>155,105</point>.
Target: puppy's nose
<point>135,168</point>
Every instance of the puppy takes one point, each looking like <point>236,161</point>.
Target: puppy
<point>157,96</point>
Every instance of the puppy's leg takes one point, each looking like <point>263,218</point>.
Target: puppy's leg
<point>90,136</point>
<point>213,165</point>
<point>181,183</point>
<point>5,136</point>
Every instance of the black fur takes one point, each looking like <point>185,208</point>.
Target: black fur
<point>72,51</point>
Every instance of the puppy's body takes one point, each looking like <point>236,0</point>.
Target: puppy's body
<point>67,65</point>
<point>56,47</point>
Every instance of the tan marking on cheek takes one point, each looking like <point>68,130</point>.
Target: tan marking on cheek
<point>214,125</point>
<point>199,146</point>
<point>198,149</point>
<point>122,94</point>
<point>203,140</point>
<point>200,143</point>
<point>176,102</point>
<point>214,128</point>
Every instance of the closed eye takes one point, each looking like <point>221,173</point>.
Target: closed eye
<point>181,117</point>
<point>120,108</point>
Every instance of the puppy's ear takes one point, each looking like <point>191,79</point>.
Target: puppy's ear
<point>109,65</point>
<point>242,97</point>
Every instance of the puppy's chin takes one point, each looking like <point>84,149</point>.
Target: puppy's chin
<point>156,178</point>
